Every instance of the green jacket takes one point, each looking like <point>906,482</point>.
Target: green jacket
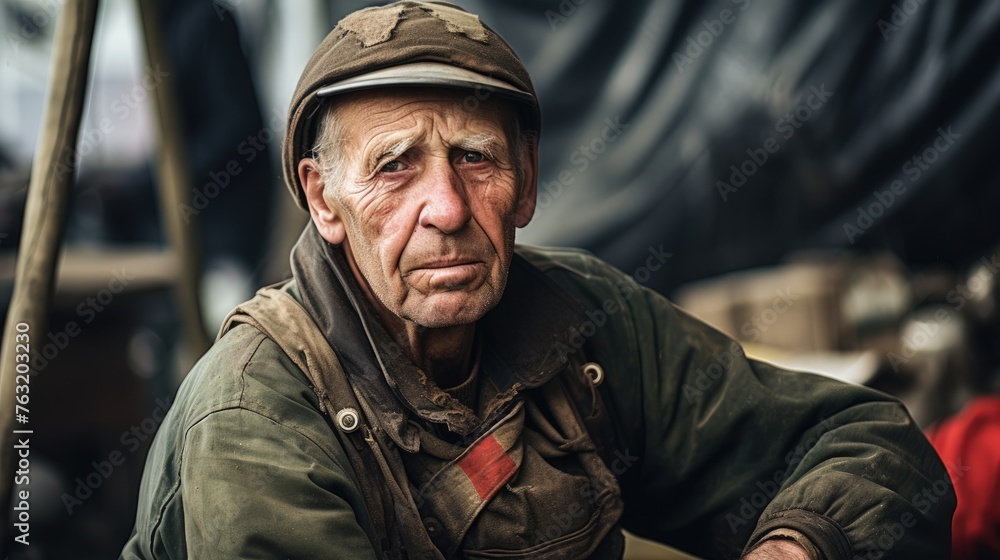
<point>716,450</point>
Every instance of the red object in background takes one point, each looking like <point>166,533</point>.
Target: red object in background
<point>969,445</point>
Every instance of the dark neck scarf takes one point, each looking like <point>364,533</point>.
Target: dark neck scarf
<point>521,338</point>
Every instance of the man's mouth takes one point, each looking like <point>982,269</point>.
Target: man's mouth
<point>446,263</point>
<point>447,273</point>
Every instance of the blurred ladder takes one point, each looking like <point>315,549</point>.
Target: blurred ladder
<point>46,213</point>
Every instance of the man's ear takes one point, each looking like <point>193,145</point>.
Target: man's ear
<point>327,220</point>
<point>528,196</point>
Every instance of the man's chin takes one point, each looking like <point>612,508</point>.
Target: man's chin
<point>451,310</point>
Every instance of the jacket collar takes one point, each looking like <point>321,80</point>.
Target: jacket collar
<point>521,338</point>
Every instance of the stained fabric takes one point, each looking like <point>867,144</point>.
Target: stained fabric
<point>518,355</point>
<point>499,487</point>
<point>715,451</point>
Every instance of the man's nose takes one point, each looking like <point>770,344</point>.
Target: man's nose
<point>445,206</point>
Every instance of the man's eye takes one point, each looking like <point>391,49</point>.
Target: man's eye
<point>473,157</point>
<point>391,167</point>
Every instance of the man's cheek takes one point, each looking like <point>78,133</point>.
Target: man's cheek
<point>495,208</point>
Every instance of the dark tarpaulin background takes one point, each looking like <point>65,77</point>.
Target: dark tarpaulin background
<point>899,72</point>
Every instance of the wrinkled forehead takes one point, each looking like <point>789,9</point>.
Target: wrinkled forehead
<point>364,114</point>
<point>407,106</point>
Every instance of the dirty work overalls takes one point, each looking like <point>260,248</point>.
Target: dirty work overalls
<point>531,484</point>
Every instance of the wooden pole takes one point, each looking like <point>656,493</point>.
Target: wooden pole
<point>41,236</point>
<point>174,187</point>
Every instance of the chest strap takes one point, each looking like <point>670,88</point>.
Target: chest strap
<point>281,318</point>
<point>378,471</point>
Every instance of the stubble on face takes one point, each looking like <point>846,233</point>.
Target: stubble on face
<point>427,199</point>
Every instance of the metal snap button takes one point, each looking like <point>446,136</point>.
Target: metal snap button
<point>348,420</point>
<point>432,526</point>
<point>595,372</point>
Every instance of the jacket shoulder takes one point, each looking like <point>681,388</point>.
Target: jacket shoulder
<point>578,271</point>
<point>245,369</point>
<point>243,372</point>
<point>569,260</point>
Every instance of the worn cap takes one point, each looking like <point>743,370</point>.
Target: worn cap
<point>405,44</point>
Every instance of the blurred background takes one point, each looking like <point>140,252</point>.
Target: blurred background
<point>816,179</point>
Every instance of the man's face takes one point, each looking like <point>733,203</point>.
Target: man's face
<point>427,202</point>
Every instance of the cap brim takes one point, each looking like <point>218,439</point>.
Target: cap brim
<point>427,74</point>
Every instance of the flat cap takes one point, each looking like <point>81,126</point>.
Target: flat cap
<point>404,44</point>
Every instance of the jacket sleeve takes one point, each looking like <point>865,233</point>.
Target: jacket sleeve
<point>719,450</point>
<point>253,488</point>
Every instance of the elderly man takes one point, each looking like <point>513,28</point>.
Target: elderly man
<point>423,388</point>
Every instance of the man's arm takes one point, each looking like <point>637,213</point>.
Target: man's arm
<point>749,448</point>
<point>253,488</point>
<point>720,450</point>
<point>245,465</point>
<point>779,549</point>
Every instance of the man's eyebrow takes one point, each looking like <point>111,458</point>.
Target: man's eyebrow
<point>486,143</point>
<point>390,150</point>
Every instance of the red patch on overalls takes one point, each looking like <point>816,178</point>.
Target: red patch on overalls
<point>488,467</point>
